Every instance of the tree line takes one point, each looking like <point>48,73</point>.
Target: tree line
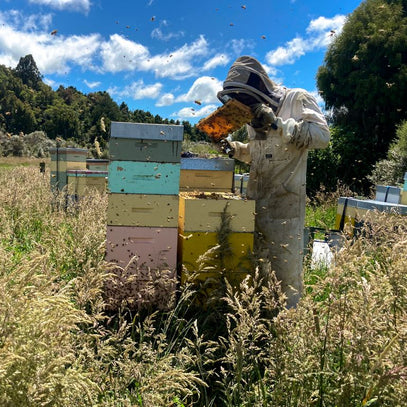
<point>29,105</point>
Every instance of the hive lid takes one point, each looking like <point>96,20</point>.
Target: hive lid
<point>68,150</point>
<point>216,164</point>
<point>147,131</point>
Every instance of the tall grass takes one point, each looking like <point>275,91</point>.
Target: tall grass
<point>344,345</point>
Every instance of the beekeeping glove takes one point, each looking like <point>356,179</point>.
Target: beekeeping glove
<point>264,118</point>
<point>291,131</point>
<point>225,147</point>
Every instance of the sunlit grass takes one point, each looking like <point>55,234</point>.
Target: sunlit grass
<point>344,345</point>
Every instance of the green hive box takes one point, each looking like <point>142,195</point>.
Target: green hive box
<point>145,142</point>
<point>68,154</point>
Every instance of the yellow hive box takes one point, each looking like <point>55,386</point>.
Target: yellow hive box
<point>346,215</point>
<point>196,244</point>
<point>80,184</point>
<point>403,199</point>
<point>63,166</point>
<point>143,210</point>
<point>202,212</point>
<point>206,180</point>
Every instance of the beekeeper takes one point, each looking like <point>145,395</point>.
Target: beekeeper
<point>286,124</point>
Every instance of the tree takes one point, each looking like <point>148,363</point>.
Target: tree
<point>61,120</point>
<point>364,81</point>
<point>28,72</point>
<point>391,170</point>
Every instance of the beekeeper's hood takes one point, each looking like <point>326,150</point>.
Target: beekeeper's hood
<point>248,82</point>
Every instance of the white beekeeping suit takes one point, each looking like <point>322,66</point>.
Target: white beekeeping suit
<point>287,123</point>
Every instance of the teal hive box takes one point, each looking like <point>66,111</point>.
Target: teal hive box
<point>59,180</point>
<point>132,177</point>
<point>145,142</point>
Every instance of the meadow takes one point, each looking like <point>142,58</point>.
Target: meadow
<point>60,345</point>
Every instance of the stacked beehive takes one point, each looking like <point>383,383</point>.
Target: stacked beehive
<point>385,193</point>
<point>351,212</point>
<point>142,215</point>
<point>63,160</point>
<point>216,227</point>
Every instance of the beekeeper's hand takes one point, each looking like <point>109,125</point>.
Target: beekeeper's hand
<point>264,117</point>
<point>225,147</point>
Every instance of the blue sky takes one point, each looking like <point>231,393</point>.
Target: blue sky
<point>168,57</point>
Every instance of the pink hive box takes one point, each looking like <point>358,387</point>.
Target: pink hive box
<point>156,248</point>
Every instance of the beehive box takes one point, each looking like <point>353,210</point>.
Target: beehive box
<point>403,197</point>
<point>59,179</point>
<point>196,244</point>
<point>71,154</point>
<point>364,205</point>
<point>207,174</point>
<point>82,181</point>
<point>145,142</point>
<point>202,212</point>
<point>388,194</point>
<point>95,164</point>
<point>64,166</point>
<point>132,177</point>
<point>204,232</point>
<point>156,248</point>
<point>241,181</point>
<point>346,213</point>
<point>143,210</point>
<point>357,209</point>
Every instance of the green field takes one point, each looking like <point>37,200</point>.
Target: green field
<point>344,345</point>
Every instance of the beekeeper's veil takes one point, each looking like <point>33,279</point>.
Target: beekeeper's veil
<point>248,82</point>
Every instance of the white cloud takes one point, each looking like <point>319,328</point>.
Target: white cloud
<point>238,46</point>
<point>320,33</point>
<point>57,53</point>
<point>73,5</point>
<point>158,34</point>
<point>217,60</point>
<point>293,50</point>
<point>32,22</point>
<point>52,53</point>
<point>203,89</point>
<point>91,85</point>
<point>180,63</point>
<point>323,24</point>
<point>138,90</point>
<point>165,100</point>
<point>190,112</point>
<point>120,54</point>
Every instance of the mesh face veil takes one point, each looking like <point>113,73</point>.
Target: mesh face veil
<point>248,82</point>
